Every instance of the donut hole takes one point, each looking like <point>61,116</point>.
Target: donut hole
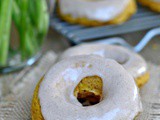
<point>121,58</point>
<point>89,90</point>
<point>122,61</point>
<point>88,98</point>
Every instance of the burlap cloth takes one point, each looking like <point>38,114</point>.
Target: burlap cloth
<point>16,106</point>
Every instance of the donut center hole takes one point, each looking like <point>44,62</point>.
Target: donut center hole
<point>89,90</point>
<point>121,58</point>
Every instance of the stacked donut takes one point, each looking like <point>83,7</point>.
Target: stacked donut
<point>101,12</point>
<point>131,61</point>
<point>91,82</point>
<point>96,12</point>
<point>152,4</point>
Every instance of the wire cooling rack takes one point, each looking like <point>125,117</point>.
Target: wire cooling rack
<point>142,20</point>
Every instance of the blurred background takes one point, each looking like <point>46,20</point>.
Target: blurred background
<point>30,28</point>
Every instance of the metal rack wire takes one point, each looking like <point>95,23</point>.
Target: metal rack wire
<point>142,20</point>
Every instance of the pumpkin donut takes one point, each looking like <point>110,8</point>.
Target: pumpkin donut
<point>131,61</point>
<point>152,4</point>
<point>86,88</point>
<point>96,12</point>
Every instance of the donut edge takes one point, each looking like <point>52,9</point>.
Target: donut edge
<point>124,16</point>
<point>36,113</point>
<point>143,79</point>
<point>154,6</point>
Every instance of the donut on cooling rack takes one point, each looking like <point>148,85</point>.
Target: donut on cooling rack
<point>131,61</point>
<point>96,12</point>
<point>152,4</point>
<point>86,88</point>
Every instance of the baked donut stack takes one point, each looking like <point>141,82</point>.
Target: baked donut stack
<point>131,61</point>
<point>96,12</point>
<point>101,12</point>
<point>152,4</point>
<point>91,82</point>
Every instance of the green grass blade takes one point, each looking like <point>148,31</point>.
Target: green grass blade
<point>5,25</point>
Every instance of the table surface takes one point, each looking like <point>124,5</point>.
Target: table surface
<point>151,52</point>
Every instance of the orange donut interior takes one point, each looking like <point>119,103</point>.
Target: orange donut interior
<point>89,90</point>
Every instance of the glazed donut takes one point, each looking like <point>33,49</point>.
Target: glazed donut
<point>152,4</point>
<point>105,85</point>
<point>131,61</point>
<point>96,12</point>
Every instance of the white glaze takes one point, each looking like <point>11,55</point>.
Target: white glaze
<point>131,61</point>
<point>121,99</point>
<point>101,10</point>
